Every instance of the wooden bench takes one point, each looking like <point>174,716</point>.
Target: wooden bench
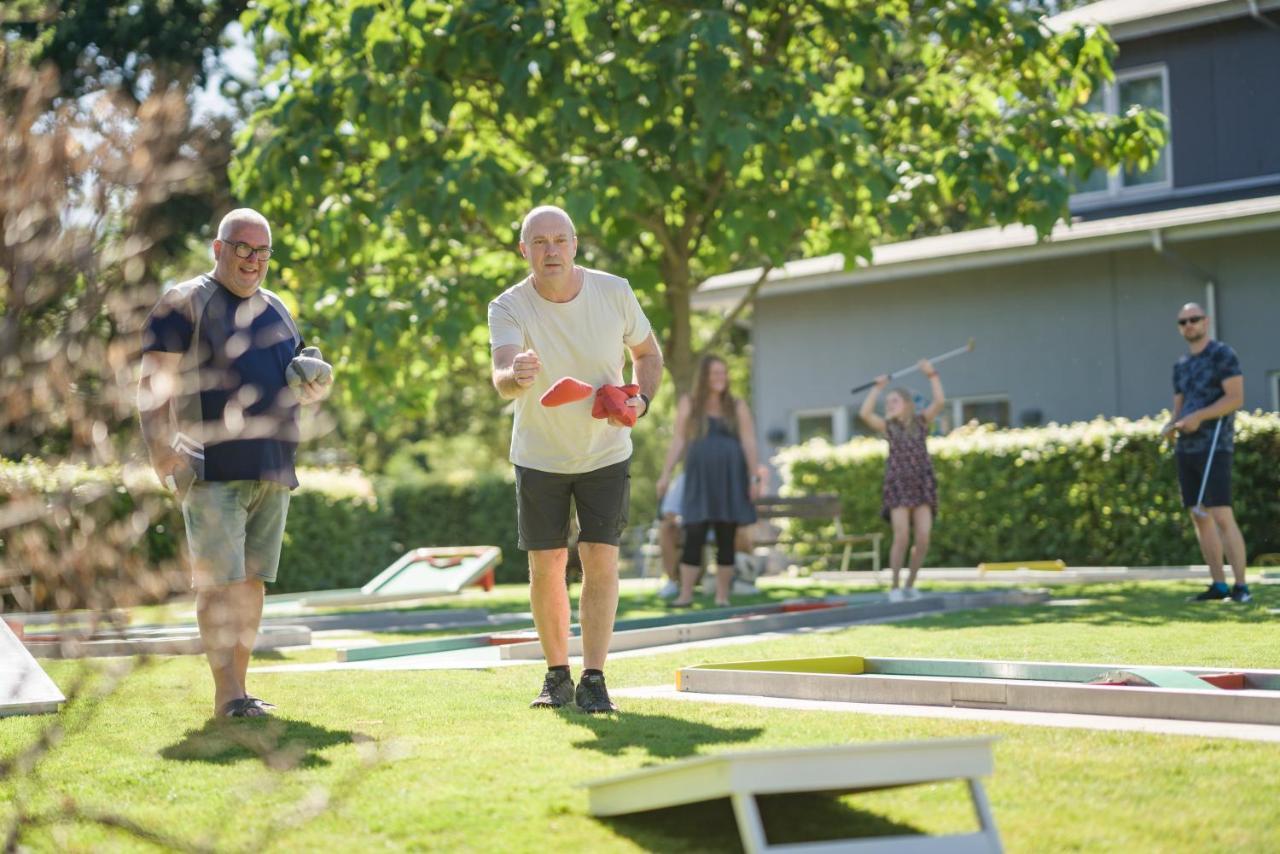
<point>835,768</point>
<point>820,506</point>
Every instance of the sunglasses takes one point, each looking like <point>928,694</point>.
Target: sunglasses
<point>1183,321</point>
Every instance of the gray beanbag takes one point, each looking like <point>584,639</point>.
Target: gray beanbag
<point>307,367</point>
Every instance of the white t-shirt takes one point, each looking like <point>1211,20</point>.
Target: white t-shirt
<point>585,338</point>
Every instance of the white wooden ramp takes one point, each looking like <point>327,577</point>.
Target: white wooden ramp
<point>838,768</point>
<point>25,689</point>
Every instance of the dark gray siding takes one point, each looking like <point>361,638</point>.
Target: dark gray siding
<point>1224,90</point>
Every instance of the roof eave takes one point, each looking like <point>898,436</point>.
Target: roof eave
<point>1063,246</point>
<point>1181,19</point>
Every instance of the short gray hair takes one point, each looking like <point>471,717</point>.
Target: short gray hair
<point>242,215</point>
<point>538,211</point>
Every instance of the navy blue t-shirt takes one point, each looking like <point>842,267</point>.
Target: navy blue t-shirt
<point>1198,378</point>
<point>250,429</point>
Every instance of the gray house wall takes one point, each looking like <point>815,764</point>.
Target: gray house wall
<point>1072,337</point>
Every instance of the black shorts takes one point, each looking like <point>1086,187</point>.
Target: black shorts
<point>602,497</point>
<point>1217,492</point>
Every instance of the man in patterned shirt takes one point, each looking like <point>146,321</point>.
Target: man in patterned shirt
<point>1207,388</point>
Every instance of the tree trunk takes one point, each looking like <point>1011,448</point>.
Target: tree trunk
<point>678,350</point>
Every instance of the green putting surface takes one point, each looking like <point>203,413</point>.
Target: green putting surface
<point>682,618</point>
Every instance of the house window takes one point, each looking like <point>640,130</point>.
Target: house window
<point>1142,87</point>
<point>986,409</point>
<point>1273,380</point>
<point>829,424</point>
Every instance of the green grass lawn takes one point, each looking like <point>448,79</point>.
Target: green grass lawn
<point>455,761</point>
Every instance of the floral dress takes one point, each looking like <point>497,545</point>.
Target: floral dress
<point>908,474</point>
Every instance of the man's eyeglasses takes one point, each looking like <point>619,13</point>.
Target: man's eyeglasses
<point>1182,321</point>
<point>245,250</point>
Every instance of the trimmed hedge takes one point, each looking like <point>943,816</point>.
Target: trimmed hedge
<point>1098,493</point>
<point>479,513</point>
<point>340,533</point>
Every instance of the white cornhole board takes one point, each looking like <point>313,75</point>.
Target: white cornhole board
<point>25,689</point>
<point>838,768</point>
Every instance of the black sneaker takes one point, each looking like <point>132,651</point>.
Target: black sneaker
<point>1214,592</point>
<point>557,691</point>
<point>1240,593</point>
<point>593,696</point>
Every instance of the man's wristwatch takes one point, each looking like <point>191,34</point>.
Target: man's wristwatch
<point>645,398</point>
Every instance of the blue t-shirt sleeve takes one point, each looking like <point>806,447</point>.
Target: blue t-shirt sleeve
<point>1228,364</point>
<point>168,329</point>
<point>1177,378</point>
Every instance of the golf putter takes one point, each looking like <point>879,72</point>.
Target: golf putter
<point>901,372</point>
<point>1204,479</point>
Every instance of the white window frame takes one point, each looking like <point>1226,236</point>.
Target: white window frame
<point>839,416</point>
<point>958,404</point>
<point>1115,177</point>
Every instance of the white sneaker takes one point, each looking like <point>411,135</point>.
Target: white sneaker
<point>670,590</point>
<point>911,593</point>
<point>896,595</point>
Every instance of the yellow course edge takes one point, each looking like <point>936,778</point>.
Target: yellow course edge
<point>1048,565</point>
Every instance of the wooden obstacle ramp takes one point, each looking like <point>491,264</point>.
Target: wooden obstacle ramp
<point>742,776</point>
<point>25,689</point>
<point>436,571</point>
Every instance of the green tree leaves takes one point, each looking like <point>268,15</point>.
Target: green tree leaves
<point>408,139</point>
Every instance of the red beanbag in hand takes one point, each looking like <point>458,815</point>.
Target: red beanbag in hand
<point>565,390</point>
<point>612,400</point>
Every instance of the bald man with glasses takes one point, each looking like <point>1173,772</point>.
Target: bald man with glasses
<point>220,420</point>
<point>1208,387</point>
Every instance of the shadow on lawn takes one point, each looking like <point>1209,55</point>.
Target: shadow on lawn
<point>788,819</point>
<point>278,743</point>
<point>1131,604</point>
<point>661,735</point>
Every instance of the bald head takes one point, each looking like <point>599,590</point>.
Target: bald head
<point>546,217</point>
<point>237,219</point>
<point>1194,323</point>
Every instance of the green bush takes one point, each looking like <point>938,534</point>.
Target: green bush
<point>479,513</point>
<point>340,533</point>
<point>1099,493</point>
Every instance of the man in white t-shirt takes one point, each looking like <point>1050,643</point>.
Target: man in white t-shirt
<point>564,320</point>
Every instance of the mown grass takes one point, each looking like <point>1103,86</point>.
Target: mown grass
<point>454,761</point>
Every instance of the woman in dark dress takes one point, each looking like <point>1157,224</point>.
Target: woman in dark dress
<point>714,434</point>
<point>910,489</point>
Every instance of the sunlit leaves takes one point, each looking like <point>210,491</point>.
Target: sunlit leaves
<point>685,142</point>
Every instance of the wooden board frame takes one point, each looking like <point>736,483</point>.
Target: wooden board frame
<point>1011,685</point>
<point>741,776</point>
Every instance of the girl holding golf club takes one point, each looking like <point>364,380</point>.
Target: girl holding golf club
<point>910,488</point>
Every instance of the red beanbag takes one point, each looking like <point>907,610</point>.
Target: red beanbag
<point>612,400</point>
<point>565,390</point>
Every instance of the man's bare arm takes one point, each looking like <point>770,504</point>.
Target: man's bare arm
<point>513,370</point>
<point>1231,400</point>
<point>646,365</point>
